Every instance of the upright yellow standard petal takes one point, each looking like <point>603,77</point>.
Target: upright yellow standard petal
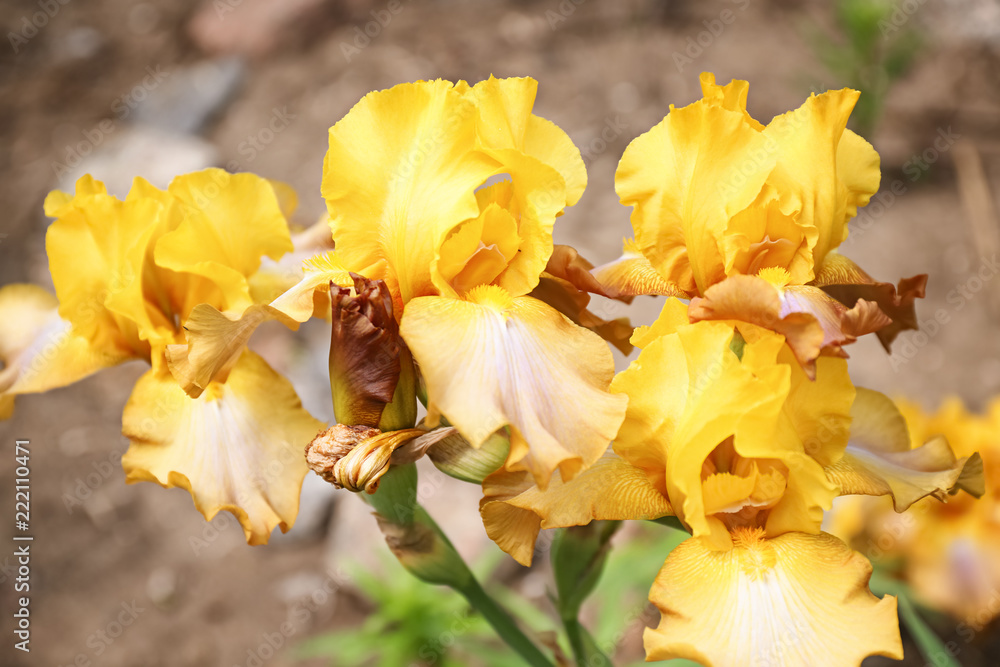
<point>231,222</point>
<point>506,121</point>
<point>400,173</point>
<point>494,360</point>
<point>97,249</point>
<point>686,178</point>
<point>824,172</point>
<point>795,601</point>
<point>514,509</point>
<point>237,448</point>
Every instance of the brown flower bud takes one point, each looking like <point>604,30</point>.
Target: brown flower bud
<point>370,366</point>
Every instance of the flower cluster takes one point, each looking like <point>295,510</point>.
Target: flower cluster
<point>437,267</point>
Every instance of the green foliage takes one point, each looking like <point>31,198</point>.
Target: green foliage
<point>873,50</point>
<point>621,597</point>
<point>932,648</point>
<point>413,623</point>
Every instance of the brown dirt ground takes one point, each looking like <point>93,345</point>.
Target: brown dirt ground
<point>207,598</point>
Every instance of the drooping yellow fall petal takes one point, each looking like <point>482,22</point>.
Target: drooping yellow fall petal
<point>517,358</point>
<point>237,448</point>
<point>879,460</point>
<point>514,509</point>
<point>823,172</point>
<point>686,177</point>
<point>795,600</point>
<point>400,173</point>
<point>38,349</point>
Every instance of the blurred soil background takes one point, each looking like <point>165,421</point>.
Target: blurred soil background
<point>120,89</point>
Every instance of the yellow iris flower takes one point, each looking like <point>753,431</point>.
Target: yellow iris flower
<point>949,553</point>
<point>128,275</point>
<point>736,423</point>
<point>725,431</point>
<point>744,219</point>
<point>449,193</point>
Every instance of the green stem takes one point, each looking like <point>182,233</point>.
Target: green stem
<point>585,650</point>
<point>930,645</point>
<point>503,624</point>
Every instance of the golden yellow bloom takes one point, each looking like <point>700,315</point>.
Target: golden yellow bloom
<point>128,277</point>
<point>449,194</point>
<point>726,431</point>
<point>744,220</point>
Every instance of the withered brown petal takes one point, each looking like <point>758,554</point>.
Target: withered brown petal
<point>846,282</point>
<point>364,351</point>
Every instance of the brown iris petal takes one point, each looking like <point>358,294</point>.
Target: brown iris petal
<point>365,351</point>
<point>846,282</point>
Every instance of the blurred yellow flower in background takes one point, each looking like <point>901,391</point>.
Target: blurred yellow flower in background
<point>949,553</point>
<point>128,275</point>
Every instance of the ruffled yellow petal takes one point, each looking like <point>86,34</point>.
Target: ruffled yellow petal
<point>632,275</point>
<point>732,96</point>
<point>215,340</point>
<point>795,600</point>
<point>98,248</point>
<point>686,178</point>
<point>689,393</point>
<point>879,460</point>
<point>237,448</point>
<point>38,349</point>
<point>823,172</point>
<point>672,317</point>
<point>506,121</point>
<point>514,509</point>
<point>400,173</point>
<point>548,143</point>
<point>761,237</point>
<point>231,221</point>
<point>494,360</point>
